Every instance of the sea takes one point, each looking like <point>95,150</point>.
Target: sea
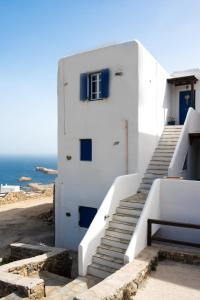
<point>14,167</point>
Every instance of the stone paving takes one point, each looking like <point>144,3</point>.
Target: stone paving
<point>171,281</point>
<point>53,282</point>
<point>75,287</point>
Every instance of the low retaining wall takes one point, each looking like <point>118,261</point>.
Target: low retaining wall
<point>123,284</point>
<point>14,275</point>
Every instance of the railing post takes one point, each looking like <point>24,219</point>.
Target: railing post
<point>149,232</point>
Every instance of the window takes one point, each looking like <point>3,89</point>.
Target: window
<point>94,86</point>
<point>86,215</point>
<point>86,150</point>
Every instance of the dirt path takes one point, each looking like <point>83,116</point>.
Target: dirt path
<point>19,222</point>
<point>171,281</point>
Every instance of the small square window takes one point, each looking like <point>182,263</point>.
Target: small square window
<point>86,150</point>
<point>86,215</point>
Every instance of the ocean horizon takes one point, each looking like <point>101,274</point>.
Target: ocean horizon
<point>12,167</point>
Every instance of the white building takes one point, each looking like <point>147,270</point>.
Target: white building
<point>9,188</point>
<point>113,104</point>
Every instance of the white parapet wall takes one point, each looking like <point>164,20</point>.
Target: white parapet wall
<point>151,210</point>
<point>191,125</point>
<point>123,187</point>
<point>170,200</point>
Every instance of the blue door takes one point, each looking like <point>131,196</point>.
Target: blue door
<point>185,102</point>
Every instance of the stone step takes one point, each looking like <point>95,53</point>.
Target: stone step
<point>159,162</point>
<point>119,233</point>
<point>109,261</point>
<point>139,198</point>
<point>169,138</point>
<point>162,158</point>
<point>145,186</point>
<point>127,203</point>
<point>111,251</point>
<point>163,154</point>
<point>173,126</point>
<point>100,271</point>
<point>157,167</point>
<point>148,180</point>
<point>167,143</point>
<point>121,225</point>
<point>155,172</point>
<point>166,147</point>
<point>171,132</point>
<point>125,218</point>
<point>140,190</point>
<point>164,150</point>
<point>129,211</point>
<point>151,176</point>
<point>115,242</point>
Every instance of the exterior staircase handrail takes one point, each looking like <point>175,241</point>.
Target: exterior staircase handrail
<point>178,158</point>
<point>122,187</point>
<point>151,209</point>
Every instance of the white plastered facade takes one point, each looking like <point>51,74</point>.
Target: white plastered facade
<point>124,128</point>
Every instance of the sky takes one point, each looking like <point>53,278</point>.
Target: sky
<point>34,34</point>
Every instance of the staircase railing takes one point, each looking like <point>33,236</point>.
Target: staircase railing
<point>178,159</point>
<point>123,187</point>
<point>151,210</point>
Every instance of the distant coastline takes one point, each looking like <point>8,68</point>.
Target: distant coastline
<point>13,167</point>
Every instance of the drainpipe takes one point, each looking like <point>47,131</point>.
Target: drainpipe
<point>126,129</point>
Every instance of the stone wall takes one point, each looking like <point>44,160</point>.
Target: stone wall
<point>36,258</point>
<point>14,275</point>
<point>31,288</point>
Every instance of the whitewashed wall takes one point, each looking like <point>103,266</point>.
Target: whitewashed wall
<point>143,81</point>
<point>170,200</point>
<point>86,183</point>
<point>180,202</point>
<point>153,105</point>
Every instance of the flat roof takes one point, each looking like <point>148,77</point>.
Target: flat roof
<point>183,80</point>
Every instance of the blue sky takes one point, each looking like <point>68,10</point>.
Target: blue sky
<point>34,34</point>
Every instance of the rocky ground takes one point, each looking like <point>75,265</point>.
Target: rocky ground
<point>28,221</point>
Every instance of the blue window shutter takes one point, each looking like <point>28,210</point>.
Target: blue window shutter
<point>83,86</point>
<point>105,76</point>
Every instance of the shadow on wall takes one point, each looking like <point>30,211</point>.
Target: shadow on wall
<point>146,147</point>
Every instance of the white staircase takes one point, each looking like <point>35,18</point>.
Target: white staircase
<point>159,164</point>
<point>109,256</point>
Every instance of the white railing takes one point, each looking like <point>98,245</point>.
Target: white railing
<point>151,210</point>
<point>123,187</point>
<point>179,156</point>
